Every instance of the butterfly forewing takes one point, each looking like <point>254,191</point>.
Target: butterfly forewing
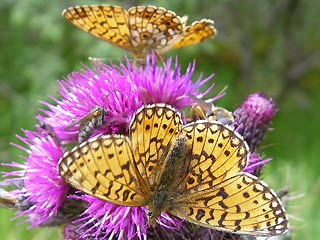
<point>106,22</point>
<point>241,204</point>
<point>104,168</point>
<point>152,132</point>
<point>216,153</point>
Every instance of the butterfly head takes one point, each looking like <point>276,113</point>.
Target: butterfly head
<point>154,211</point>
<point>160,202</point>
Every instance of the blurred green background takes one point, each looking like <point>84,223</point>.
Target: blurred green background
<point>262,46</point>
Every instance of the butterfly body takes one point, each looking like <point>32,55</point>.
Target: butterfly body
<point>191,171</point>
<point>173,169</point>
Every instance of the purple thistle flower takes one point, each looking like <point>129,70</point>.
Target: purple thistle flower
<point>252,120</point>
<point>253,117</point>
<point>42,190</point>
<point>164,85</point>
<point>120,90</point>
<point>107,87</point>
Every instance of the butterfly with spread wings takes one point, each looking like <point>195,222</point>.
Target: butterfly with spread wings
<point>141,29</point>
<point>193,171</point>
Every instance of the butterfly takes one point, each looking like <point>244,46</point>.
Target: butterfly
<point>140,29</point>
<point>191,171</point>
<point>89,123</point>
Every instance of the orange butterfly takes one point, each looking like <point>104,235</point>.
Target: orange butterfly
<point>140,29</point>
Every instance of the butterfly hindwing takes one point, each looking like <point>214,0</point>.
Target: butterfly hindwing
<point>241,204</point>
<point>216,152</point>
<point>106,22</point>
<point>104,168</point>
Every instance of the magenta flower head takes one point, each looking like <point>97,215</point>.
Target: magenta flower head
<point>120,91</point>
<point>253,117</point>
<point>41,191</point>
